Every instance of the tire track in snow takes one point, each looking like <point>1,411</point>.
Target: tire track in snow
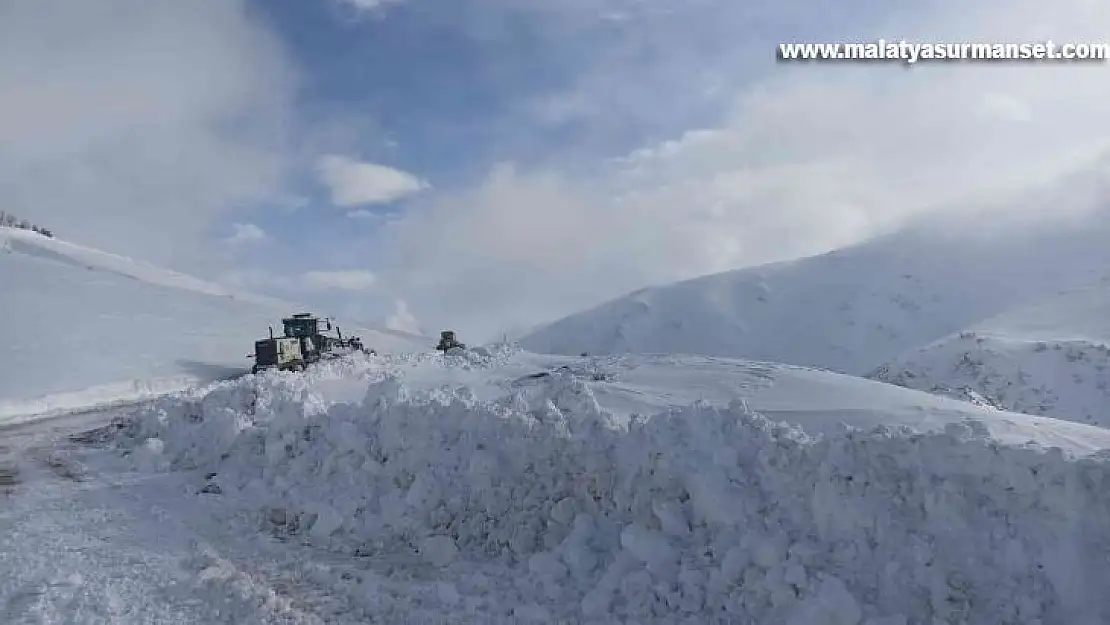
<point>82,543</point>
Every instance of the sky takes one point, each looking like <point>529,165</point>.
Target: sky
<point>490,165</point>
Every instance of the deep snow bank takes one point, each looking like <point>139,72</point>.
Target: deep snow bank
<point>817,401</point>
<point>701,515</point>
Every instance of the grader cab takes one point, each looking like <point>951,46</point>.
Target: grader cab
<point>303,344</point>
<point>448,341</point>
<point>281,353</point>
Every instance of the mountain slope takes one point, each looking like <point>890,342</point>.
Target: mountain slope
<point>1048,358</point>
<point>82,326</point>
<point>850,310</point>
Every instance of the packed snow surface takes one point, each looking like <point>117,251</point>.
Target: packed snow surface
<point>500,486</point>
<point>850,310</point>
<point>1048,358</point>
<point>83,327</point>
<point>85,540</point>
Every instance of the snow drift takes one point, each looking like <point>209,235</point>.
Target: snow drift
<point>851,310</point>
<point>84,327</point>
<point>540,505</point>
<point>1048,358</point>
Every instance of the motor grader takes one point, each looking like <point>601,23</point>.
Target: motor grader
<point>448,341</point>
<point>303,344</point>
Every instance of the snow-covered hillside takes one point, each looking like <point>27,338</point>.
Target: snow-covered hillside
<point>81,326</point>
<point>850,310</point>
<point>504,487</point>
<point>1048,358</point>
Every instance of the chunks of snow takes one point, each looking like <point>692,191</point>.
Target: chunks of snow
<point>832,604</point>
<point>651,548</point>
<point>438,550</point>
<point>700,514</point>
<point>149,455</point>
<point>328,520</point>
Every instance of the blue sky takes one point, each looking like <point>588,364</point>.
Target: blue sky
<point>448,91</point>
<point>493,164</point>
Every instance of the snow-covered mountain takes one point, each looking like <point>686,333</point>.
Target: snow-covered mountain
<point>81,327</point>
<point>1047,358</point>
<point>853,309</point>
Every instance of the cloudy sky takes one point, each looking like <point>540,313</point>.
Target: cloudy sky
<point>492,164</point>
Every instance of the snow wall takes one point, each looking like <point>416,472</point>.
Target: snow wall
<point>701,515</point>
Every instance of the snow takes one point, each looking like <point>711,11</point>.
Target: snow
<point>501,486</point>
<point>850,310</point>
<point>84,327</point>
<point>85,540</point>
<point>1051,358</point>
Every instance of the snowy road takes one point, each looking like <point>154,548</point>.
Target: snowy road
<point>84,541</point>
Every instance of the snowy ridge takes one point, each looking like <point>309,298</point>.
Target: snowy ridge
<point>1066,380</point>
<point>540,505</point>
<point>1050,358</point>
<point>851,310</point>
<point>35,245</point>
<point>83,328</point>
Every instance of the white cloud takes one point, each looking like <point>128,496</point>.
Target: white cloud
<point>1004,107</point>
<point>353,183</point>
<point>124,120</point>
<point>362,213</point>
<point>368,5</point>
<point>402,319</point>
<point>246,233</point>
<point>809,157</point>
<point>340,280</point>
<point>290,203</point>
